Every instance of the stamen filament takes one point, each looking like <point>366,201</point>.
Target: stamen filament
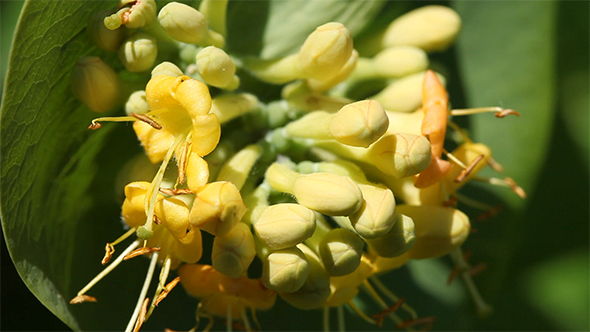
<point>392,296</point>
<point>161,286</point>
<point>245,319</point>
<point>341,322</point>
<point>157,181</point>
<point>454,159</point>
<point>473,203</point>
<point>109,268</point>
<point>123,237</point>
<point>326,319</point>
<point>361,313</point>
<point>228,318</point>
<point>506,182</point>
<point>95,123</point>
<point>483,309</point>
<point>380,301</point>
<point>500,112</point>
<point>143,293</point>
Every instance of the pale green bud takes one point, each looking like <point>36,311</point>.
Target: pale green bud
<point>399,61</point>
<point>313,125</point>
<point>215,11</point>
<point>217,68</point>
<point>167,68</point>
<point>341,251</point>
<point>141,13</point>
<point>343,74</point>
<point>328,193</point>
<point>325,51</point>
<point>439,230</point>
<point>138,53</point>
<point>377,213</point>
<point>237,168</point>
<point>137,103</point>
<point>284,225</point>
<point>403,95</point>
<point>360,123</point>
<point>230,106</point>
<point>431,28</point>
<point>234,252</point>
<point>106,39</point>
<point>285,270</point>
<point>281,177</point>
<point>183,23</point>
<point>315,290</point>
<point>301,97</point>
<point>397,241</point>
<point>401,155</point>
<point>95,84</point>
<point>345,168</point>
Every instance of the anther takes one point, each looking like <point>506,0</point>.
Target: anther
<point>182,163</point>
<point>175,192</point>
<point>109,251</point>
<point>495,165</point>
<point>518,190</point>
<point>380,317</point>
<point>427,321</point>
<point>466,171</point>
<point>142,313</point>
<point>94,125</point>
<point>504,113</point>
<point>167,289</point>
<point>148,120</point>
<point>157,220</point>
<point>139,252</point>
<point>82,298</point>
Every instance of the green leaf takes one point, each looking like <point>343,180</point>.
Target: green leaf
<point>270,37</point>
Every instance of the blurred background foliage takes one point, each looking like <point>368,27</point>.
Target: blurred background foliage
<point>537,251</point>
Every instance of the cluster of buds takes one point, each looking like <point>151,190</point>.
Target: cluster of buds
<point>326,191</point>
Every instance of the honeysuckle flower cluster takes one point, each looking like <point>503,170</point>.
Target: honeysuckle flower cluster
<point>327,192</point>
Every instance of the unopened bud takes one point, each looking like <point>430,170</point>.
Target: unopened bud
<point>138,53</point>
<point>315,290</point>
<point>360,123</point>
<point>183,23</point>
<point>345,288</point>
<point>95,84</point>
<point>285,270</point>
<point>233,252</point>
<point>328,193</point>
<point>343,74</point>
<point>431,28</point>
<point>237,168</point>
<point>312,125</point>
<point>401,155</point>
<point>400,61</point>
<point>137,103</point>
<point>230,106</point>
<point>325,51</point>
<point>167,68</point>
<point>284,225</point>
<point>217,68</point>
<point>341,251</point>
<point>403,95</point>
<point>397,241</point>
<point>217,208</point>
<point>377,213</point>
<point>281,177</point>
<point>439,230</point>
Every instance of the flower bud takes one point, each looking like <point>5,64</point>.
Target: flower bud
<point>216,67</point>
<point>281,177</point>
<point>403,95</point>
<point>401,155</point>
<point>340,251</point>
<point>345,288</point>
<point>230,106</point>
<point>312,125</point>
<point>285,270</point>
<point>344,73</point>
<point>137,103</point>
<point>138,53</point>
<point>315,290</point>
<point>237,168</point>
<point>233,252</point>
<point>284,225</point>
<point>328,193</point>
<point>439,230</point>
<point>104,38</point>
<point>377,213</point>
<point>167,68</point>
<point>325,51</point>
<point>431,28</point>
<point>400,61</point>
<point>141,14</point>
<point>183,23</point>
<point>217,208</point>
<point>397,241</point>
<point>360,123</point>
<point>95,84</point>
